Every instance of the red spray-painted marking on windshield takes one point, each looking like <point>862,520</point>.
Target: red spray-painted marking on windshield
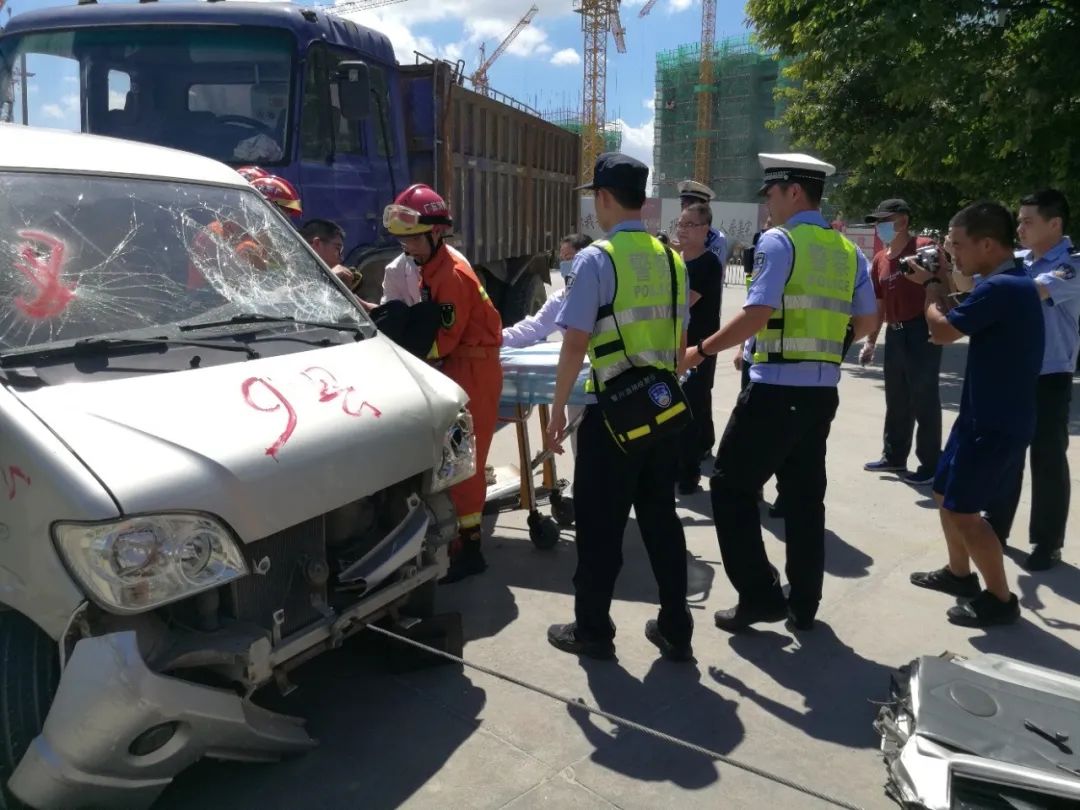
<point>290,421</point>
<point>329,390</point>
<point>44,275</point>
<point>11,477</point>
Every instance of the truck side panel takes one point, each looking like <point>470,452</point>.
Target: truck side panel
<point>508,175</point>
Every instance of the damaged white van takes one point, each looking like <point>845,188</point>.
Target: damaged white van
<point>212,468</point>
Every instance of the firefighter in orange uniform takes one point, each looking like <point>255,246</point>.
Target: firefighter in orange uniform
<point>466,347</point>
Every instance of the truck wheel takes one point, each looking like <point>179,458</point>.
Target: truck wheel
<point>523,299</point>
<point>29,673</point>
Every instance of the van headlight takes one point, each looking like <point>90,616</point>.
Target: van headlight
<point>139,563</point>
<point>458,460</point>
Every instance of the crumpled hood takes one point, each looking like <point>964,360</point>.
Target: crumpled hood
<point>263,444</point>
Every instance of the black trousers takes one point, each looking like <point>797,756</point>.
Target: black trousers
<point>781,430</point>
<point>607,483</point>
<point>912,369</point>
<point>698,438</point>
<point>1050,488</point>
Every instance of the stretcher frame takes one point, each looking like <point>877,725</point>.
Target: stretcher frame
<point>519,490</point>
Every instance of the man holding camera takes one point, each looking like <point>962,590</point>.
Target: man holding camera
<point>1044,219</point>
<point>986,448</point>
<point>912,362</point>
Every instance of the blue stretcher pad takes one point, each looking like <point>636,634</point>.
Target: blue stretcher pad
<point>529,376</point>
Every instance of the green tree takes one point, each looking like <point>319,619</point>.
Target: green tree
<point>939,101</point>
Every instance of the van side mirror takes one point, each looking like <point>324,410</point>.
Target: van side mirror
<point>354,90</point>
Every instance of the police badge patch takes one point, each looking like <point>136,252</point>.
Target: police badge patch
<point>447,314</point>
<point>660,394</point>
<point>1065,272</point>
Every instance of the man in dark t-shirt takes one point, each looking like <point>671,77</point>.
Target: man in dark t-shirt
<point>706,278</point>
<point>989,440</point>
<point>912,363</point>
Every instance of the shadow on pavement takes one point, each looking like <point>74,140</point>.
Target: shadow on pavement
<point>365,718</point>
<point>841,558</point>
<point>836,683</point>
<point>653,701</point>
<point>1026,641</point>
<point>1064,580</point>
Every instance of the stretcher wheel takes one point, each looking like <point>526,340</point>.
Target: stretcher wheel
<point>543,531</point>
<point>562,509</point>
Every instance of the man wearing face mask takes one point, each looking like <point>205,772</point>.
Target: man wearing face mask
<point>538,327</point>
<point>912,363</point>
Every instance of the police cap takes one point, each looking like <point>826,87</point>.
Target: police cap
<point>793,167</point>
<point>616,170</point>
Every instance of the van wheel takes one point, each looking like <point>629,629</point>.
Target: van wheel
<point>29,674</point>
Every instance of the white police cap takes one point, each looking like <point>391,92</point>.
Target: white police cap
<point>692,188</point>
<point>792,167</point>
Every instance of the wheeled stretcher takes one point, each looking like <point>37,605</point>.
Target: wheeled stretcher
<point>528,385</point>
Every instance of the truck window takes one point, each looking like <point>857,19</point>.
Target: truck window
<point>324,132</point>
<point>220,92</point>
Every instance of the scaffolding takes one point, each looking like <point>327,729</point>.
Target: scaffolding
<point>740,102</point>
<point>571,121</point>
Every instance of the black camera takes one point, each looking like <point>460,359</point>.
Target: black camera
<point>928,258</point>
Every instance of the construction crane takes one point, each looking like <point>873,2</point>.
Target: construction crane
<point>598,18</point>
<point>705,86</point>
<point>645,9</point>
<point>480,78</point>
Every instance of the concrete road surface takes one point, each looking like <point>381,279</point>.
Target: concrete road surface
<point>801,706</point>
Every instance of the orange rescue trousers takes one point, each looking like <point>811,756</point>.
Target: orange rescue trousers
<point>482,380</point>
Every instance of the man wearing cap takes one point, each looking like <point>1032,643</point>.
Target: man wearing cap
<point>622,299</point>
<point>809,282</point>
<point>690,192</point>
<point>912,362</point>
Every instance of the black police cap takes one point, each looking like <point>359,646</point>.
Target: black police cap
<point>616,170</point>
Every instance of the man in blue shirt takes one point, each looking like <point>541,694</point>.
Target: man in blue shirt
<point>1044,220</point>
<point>608,481</point>
<point>989,439</point>
<point>796,306</point>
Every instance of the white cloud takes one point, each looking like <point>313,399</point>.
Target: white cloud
<point>567,56</point>
<point>649,103</point>
<point>638,141</point>
<point>52,111</point>
<point>678,5</point>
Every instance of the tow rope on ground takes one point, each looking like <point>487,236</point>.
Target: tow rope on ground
<point>621,721</point>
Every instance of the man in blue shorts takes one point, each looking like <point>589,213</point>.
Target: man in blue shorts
<point>989,440</point>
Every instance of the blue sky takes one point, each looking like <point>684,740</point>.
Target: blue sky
<point>542,68</point>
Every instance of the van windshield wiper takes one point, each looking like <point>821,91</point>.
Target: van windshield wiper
<point>91,346</point>
<point>259,317</point>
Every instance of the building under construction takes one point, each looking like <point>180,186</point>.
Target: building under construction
<point>741,102</point>
<point>571,121</point>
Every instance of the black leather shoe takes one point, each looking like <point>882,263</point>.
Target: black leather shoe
<point>565,637</point>
<point>985,610</point>
<point>689,486</point>
<point>1042,558</point>
<point>466,563</point>
<point>884,465</point>
<point>946,581</point>
<point>799,621</point>
<point>672,652</point>
<point>740,617</point>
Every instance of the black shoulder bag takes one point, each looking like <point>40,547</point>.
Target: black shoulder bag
<point>645,404</point>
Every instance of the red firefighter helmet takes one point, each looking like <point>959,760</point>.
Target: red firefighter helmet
<point>281,193</point>
<point>251,173</point>
<point>418,209</point>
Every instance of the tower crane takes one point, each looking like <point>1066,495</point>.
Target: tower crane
<point>598,18</point>
<point>705,80</point>
<point>480,77</point>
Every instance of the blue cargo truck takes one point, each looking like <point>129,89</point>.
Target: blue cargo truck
<point>319,100</point>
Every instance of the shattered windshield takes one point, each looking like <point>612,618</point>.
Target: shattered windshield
<point>219,92</point>
<point>84,256</point>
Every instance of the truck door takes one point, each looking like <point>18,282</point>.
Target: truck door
<point>335,154</point>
